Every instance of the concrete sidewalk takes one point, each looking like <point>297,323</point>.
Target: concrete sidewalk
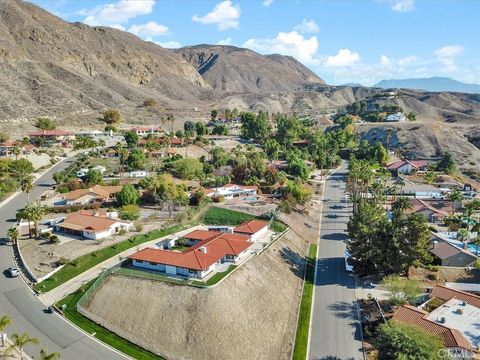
<point>53,296</point>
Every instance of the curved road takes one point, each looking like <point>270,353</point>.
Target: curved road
<point>335,331</point>
<point>19,302</point>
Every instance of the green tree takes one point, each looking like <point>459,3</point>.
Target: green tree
<point>189,168</point>
<point>46,356</point>
<point>455,196</point>
<point>201,129</point>
<point>298,192</point>
<point>129,212</point>
<point>298,168</point>
<point>401,291</point>
<point>411,116</point>
<point>430,177</point>
<point>272,148</point>
<point>189,127</point>
<point>111,116</point>
<point>5,321</point>
<point>399,341</point>
<point>256,127</point>
<point>169,193</point>
<point>94,177</point>
<point>19,342</point>
<point>214,114</point>
<point>220,129</point>
<point>13,235</point>
<point>131,138</point>
<point>45,123</point>
<point>136,159</point>
<point>447,164</point>
<point>21,168</point>
<point>34,213</point>
<point>128,195</point>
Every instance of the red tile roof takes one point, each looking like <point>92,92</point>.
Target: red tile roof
<point>101,192</point>
<point>414,316</point>
<point>194,258</point>
<point>200,235</point>
<point>444,293</point>
<point>415,163</point>
<point>250,227</point>
<point>420,205</point>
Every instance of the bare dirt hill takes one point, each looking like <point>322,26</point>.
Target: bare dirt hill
<point>250,315</point>
<point>233,69</point>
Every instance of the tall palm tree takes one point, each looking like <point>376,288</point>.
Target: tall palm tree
<point>16,151</point>
<point>19,341</point>
<point>26,184</point>
<point>13,234</point>
<point>34,214</point>
<point>5,321</point>
<point>462,235</point>
<point>454,197</point>
<point>402,204</point>
<point>46,356</point>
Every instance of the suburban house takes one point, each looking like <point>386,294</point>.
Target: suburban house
<point>49,137</point>
<point>255,229</point>
<point>230,191</point>
<point>92,134</point>
<point>93,225</point>
<point>407,166</point>
<point>455,321</point>
<point>433,210</point>
<point>145,131</point>
<point>447,254</point>
<point>7,148</point>
<point>207,250</point>
<point>395,117</point>
<point>93,194</point>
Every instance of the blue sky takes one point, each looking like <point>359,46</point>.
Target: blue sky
<point>342,41</point>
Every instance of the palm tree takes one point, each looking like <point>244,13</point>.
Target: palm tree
<point>462,235</point>
<point>52,356</point>
<point>402,204</point>
<point>476,242</point>
<point>5,321</point>
<point>454,197</point>
<point>401,184</point>
<point>19,341</point>
<point>34,214</point>
<point>13,234</point>
<point>16,151</point>
<point>26,184</point>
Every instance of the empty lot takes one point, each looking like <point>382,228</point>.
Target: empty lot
<point>250,315</point>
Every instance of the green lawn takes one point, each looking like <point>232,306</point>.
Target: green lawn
<point>100,332</point>
<point>216,277</point>
<point>301,339</point>
<point>219,216</point>
<point>85,262</point>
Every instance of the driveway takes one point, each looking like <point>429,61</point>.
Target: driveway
<point>335,328</point>
<point>26,310</point>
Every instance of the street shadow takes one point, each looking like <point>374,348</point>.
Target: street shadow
<point>294,260</point>
<point>337,207</point>
<point>331,271</point>
<point>335,236</point>
<point>343,310</point>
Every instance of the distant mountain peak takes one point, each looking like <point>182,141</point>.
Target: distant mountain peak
<point>436,84</point>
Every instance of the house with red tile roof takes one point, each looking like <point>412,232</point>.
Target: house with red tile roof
<point>93,225</point>
<point>434,211</point>
<point>49,137</point>
<point>407,166</point>
<point>209,249</point>
<point>256,229</point>
<point>146,130</point>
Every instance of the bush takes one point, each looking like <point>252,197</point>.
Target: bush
<point>138,226</point>
<point>45,123</point>
<point>120,232</point>
<point>150,102</point>
<point>111,116</point>
<point>62,261</point>
<point>54,239</point>
<point>278,226</point>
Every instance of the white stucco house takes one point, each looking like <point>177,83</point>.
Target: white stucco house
<point>395,117</point>
<point>255,229</point>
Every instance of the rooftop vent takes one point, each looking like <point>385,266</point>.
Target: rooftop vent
<point>442,320</point>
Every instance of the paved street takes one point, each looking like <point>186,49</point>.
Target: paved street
<point>18,301</point>
<point>335,327</point>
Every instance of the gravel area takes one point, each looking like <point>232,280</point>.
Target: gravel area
<point>250,315</point>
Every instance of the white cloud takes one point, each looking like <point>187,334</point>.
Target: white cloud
<point>151,28</point>
<point>287,43</point>
<point>385,61</point>
<point>119,12</point>
<point>447,54</point>
<point>407,60</point>
<point>227,41</point>
<point>307,26</point>
<point>344,58</point>
<point>224,14</point>
<point>267,3</point>
<point>403,5</point>
<point>169,44</point>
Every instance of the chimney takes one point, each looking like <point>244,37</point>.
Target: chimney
<point>203,249</point>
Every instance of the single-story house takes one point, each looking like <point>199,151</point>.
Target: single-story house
<point>199,259</point>
<point>433,210</point>
<point>395,117</point>
<point>95,193</point>
<point>93,225</point>
<point>407,166</point>
<point>255,229</point>
<point>145,131</point>
<point>230,191</point>
<point>7,148</point>
<point>447,254</point>
<point>48,137</point>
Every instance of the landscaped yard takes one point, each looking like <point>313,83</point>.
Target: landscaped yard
<point>219,216</point>
<point>301,339</point>
<point>85,262</point>
<point>100,332</point>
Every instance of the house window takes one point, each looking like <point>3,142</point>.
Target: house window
<point>152,263</point>
<point>190,271</point>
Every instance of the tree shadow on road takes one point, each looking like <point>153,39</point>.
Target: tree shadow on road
<point>339,236</point>
<point>343,310</point>
<point>294,260</point>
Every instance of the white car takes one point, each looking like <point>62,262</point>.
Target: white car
<point>13,272</point>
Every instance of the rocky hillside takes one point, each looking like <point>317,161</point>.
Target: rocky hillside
<point>233,69</point>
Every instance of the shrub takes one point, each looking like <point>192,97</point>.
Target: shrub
<point>150,102</point>
<point>54,239</point>
<point>62,261</point>
<point>45,123</point>
<point>111,116</point>
<point>138,226</point>
<point>121,232</point>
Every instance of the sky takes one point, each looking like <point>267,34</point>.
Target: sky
<point>342,41</point>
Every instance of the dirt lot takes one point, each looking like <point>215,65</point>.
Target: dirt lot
<point>250,315</point>
<point>41,255</point>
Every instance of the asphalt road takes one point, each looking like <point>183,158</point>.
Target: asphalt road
<point>335,329</point>
<point>19,302</point>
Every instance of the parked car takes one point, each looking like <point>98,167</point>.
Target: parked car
<point>13,272</point>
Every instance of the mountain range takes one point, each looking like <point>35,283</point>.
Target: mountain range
<point>436,84</point>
